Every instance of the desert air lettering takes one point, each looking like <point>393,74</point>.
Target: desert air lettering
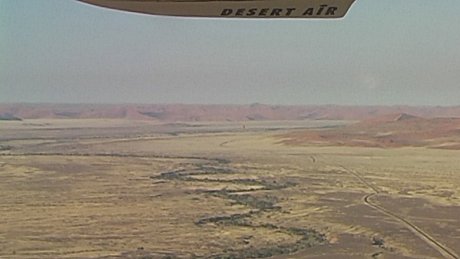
<point>322,10</point>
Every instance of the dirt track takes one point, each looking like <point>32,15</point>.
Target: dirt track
<point>74,191</point>
<point>445,251</point>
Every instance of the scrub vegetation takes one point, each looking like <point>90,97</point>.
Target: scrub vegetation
<point>123,189</point>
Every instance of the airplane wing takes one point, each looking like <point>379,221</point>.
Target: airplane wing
<point>233,8</point>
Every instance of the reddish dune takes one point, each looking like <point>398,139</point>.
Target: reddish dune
<point>190,112</point>
<point>393,130</point>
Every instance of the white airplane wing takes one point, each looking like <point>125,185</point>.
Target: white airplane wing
<point>233,8</point>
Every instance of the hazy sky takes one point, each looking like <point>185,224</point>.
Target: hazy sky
<point>383,52</point>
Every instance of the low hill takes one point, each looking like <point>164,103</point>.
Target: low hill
<point>393,130</point>
<point>191,112</point>
<point>9,117</point>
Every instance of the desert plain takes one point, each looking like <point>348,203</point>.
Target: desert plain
<point>124,188</point>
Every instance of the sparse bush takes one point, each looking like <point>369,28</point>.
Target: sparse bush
<point>5,148</point>
<point>378,241</point>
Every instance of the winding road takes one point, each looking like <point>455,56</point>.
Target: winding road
<point>445,251</point>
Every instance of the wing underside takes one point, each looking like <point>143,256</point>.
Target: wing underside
<point>233,8</point>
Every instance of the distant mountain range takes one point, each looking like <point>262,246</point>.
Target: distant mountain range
<point>195,112</point>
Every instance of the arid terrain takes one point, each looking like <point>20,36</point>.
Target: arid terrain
<point>197,112</point>
<point>385,187</point>
<point>393,130</point>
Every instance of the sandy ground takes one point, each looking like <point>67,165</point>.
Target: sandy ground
<point>143,190</point>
